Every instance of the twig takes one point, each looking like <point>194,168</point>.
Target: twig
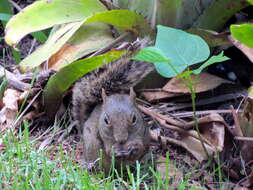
<point>190,113</point>
<point>238,129</point>
<point>163,119</point>
<point>32,46</point>
<point>250,139</point>
<point>14,4</point>
<point>167,119</point>
<point>27,107</point>
<point>209,101</point>
<point>13,80</point>
<point>182,125</point>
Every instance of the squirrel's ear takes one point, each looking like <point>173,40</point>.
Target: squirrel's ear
<point>103,95</point>
<point>132,94</point>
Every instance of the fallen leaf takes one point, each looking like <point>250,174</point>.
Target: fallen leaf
<point>245,124</point>
<point>176,87</point>
<point>201,83</point>
<point>248,51</point>
<point>10,110</point>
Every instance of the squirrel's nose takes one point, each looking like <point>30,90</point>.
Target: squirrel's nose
<point>121,141</point>
<point>121,138</point>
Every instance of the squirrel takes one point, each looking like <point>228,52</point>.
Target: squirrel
<point>108,118</point>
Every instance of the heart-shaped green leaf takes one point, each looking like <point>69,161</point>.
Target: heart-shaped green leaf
<point>45,14</point>
<point>181,48</point>
<point>123,19</point>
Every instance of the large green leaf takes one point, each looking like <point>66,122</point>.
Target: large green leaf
<point>63,79</point>
<point>243,33</point>
<point>87,39</point>
<point>45,14</point>
<point>218,13</point>
<point>251,1</point>
<point>53,44</point>
<point>124,19</point>
<point>181,48</point>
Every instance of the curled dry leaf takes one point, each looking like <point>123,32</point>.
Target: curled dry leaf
<point>212,129</point>
<point>176,87</point>
<point>194,146</point>
<point>245,124</point>
<point>201,83</point>
<point>10,110</point>
<point>211,140</point>
<point>248,51</point>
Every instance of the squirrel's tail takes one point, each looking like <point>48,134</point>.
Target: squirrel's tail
<point>115,77</point>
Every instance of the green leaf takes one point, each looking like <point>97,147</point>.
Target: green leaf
<point>3,86</point>
<point>40,36</point>
<point>243,33</point>
<point>53,44</point>
<point>181,48</point>
<point>5,17</point>
<point>50,13</point>
<point>251,1</point>
<point>63,79</point>
<point>151,54</point>
<point>88,39</point>
<point>212,60</point>
<point>221,10</point>
<point>123,19</point>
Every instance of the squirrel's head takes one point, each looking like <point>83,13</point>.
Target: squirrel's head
<point>122,127</point>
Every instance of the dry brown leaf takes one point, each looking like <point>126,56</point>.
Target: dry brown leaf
<point>176,87</point>
<point>10,110</point>
<point>248,51</point>
<point>201,83</point>
<point>195,147</point>
<point>246,123</point>
<point>212,129</point>
<point>157,95</point>
<point>174,174</point>
<point>214,132</point>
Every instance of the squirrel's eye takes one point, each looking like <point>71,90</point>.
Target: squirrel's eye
<point>134,119</point>
<point>106,120</point>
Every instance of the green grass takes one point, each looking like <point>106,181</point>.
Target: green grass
<point>24,166</point>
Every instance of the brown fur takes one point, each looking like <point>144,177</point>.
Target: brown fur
<point>126,132</point>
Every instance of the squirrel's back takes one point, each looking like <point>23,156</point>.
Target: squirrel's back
<point>115,77</point>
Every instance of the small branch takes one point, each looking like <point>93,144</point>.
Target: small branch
<point>249,139</point>
<point>14,4</point>
<point>13,80</point>
<point>27,107</point>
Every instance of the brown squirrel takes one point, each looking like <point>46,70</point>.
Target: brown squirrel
<point>107,116</point>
